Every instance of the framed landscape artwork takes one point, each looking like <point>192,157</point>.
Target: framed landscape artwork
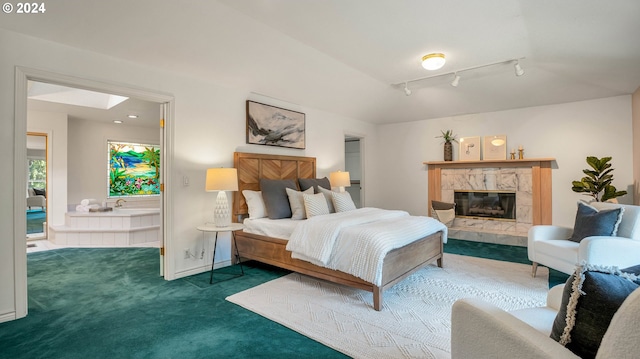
<point>274,126</point>
<point>134,169</point>
<point>495,147</point>
<point>469,149</point>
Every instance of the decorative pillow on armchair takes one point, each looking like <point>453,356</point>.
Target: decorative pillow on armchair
<point>591,297</point>
<point>591,222</point>
<point>443,212</point>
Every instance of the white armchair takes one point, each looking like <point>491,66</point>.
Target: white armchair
<point>481,330</point>
<point>548,245</point>
<point>36,200</point>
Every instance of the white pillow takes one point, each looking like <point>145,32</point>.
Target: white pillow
<point>315,204</point>
<point>297,202</point>
<point>328,197</point>
<point>255,204</point>
<point>342,202</point>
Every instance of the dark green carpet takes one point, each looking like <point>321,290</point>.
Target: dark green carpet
<point>111,303</point>
<point>35,219</point>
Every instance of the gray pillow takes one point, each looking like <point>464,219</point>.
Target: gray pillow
<point>306,183</point>
<point>591,222</point>
<point>437,205</point>
<point>275,197</point>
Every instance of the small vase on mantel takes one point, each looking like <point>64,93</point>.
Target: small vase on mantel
<point>448,151</point>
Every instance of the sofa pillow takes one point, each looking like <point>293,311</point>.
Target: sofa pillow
<point>306,183</point>
<point>296,202</point>
<point>342,201</point>
<point>591,222</point>
<point>275,197</point>
<point>446,216</point>
<point>40,192</point>
<point>591,297</point>
<point>329,198</point>
<point>255,204</point>
<point>315,204</point>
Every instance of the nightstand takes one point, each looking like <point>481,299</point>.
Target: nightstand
<point>231,228</point>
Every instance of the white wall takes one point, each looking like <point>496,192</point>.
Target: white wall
<point>55,126</point>
<point>88,157</point>
<point>209,126</point>
<point>567,132</point>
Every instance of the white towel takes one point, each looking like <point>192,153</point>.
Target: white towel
<point>89,201</point>
<point>81,208</point>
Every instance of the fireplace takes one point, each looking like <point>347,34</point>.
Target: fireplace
<point>485,204</point>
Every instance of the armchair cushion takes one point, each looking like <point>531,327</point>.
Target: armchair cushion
<point>591,222</point>
<point>591,297</point>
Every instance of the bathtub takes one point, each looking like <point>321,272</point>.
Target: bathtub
<point>121,227</point>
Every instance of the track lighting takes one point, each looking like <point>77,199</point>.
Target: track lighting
<point>406,90</point>
<point>456,81</point>
<point>518,69</point>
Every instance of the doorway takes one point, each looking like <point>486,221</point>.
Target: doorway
<point>37,166</point>
<point>353,165</point>
<point>23,77</point>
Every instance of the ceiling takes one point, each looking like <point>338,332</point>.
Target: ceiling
<point>344,56</point>
<point>148,112</point>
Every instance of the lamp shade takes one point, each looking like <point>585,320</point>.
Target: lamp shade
<point>221,179</point>
<point>339,179</point>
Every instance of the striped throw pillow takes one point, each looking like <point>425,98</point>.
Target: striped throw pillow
<point>315,204</point>
<point>342,202</point>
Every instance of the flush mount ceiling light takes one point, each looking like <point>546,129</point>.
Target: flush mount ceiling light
<point>132,116</point>
<point>406,90</point>
<point>117,121</point>
<point>433,61</point>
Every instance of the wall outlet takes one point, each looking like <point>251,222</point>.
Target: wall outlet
<point>187,253</point>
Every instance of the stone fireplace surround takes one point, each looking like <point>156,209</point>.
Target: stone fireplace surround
<point>530,179</point>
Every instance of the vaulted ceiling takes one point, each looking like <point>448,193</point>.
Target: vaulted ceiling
<point>344,56</point>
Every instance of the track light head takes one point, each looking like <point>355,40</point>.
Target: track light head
<point>518,69</point>
<point>456,81</point>
<point>406,90</point>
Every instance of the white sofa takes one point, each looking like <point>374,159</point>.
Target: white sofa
<point>481,330</point>
<point>548,245</point>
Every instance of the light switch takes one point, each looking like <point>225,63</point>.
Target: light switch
<point>185,181</point>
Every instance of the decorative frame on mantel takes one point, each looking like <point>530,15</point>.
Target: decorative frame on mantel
<point>469,149</point>
<point>274,126</point>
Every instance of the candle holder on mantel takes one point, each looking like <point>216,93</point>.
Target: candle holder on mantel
<point>513,154</point>
<point>520,153</point>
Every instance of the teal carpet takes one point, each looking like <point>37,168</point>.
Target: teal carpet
<point>35,219</point>
<point>111,303</point>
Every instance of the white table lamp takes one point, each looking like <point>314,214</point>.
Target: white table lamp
<point>221,180</point>
<point>340,179</point>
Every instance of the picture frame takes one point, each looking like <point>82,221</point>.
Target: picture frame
<point>274,126</point>
<point>495,147</point>
<point>469,148</point>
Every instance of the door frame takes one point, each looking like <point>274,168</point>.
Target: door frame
<point>22,76</point>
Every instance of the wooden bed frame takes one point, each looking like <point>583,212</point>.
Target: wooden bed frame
<point>398,264</point>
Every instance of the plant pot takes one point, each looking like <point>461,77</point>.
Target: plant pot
<point>448,151</point>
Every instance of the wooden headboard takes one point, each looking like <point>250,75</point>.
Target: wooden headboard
<point>254,166</point>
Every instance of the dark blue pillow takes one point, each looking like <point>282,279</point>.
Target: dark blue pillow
<point>591,222</point>
<point>603,295</point>
<point>39,192</point>
<point>275,197</point>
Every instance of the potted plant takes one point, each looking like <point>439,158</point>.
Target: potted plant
<point>598,179</point>
<point>448,137</point>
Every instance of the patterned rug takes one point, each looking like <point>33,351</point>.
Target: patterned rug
<point>416,319</point>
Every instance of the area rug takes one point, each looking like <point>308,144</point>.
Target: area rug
<point>416,318</point>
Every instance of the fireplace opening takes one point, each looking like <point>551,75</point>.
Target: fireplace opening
<point>485,204</point>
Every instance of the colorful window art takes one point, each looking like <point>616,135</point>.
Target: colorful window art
<point>134,169</point>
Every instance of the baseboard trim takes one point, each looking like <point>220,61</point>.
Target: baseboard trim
<point>201,269</point>
<point>7,317</point>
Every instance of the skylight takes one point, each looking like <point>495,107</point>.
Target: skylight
<point>73,96</point>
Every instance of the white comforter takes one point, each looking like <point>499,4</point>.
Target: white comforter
<point>356,242</point>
